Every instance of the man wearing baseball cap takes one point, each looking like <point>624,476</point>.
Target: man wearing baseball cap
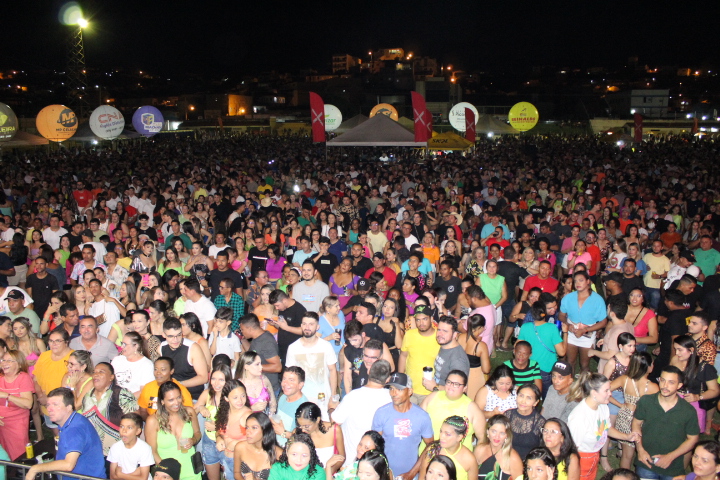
<point>556,404</point>
<point>684,265</point>
<point>403,425</point>
<point>362,288</point>
<point>168,469</point>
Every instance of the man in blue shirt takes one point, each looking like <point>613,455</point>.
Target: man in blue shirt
<point>79,448</point>
<point>403,425</point>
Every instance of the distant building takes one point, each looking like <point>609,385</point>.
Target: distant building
<point>342,63</point>
<point>648,103</point>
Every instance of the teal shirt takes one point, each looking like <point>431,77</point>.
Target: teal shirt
<point>543,339</point>
<point>707,261</point>
<point>3,456</point>
<point>185,239</point>
<point>280,471</point>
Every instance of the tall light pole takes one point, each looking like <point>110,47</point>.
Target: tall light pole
<point>76,71</point>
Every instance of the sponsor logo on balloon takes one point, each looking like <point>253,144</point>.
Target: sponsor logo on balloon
<point>67,118</point>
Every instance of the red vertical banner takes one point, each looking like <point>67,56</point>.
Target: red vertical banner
<point>470,125</point>
<point>422,118</point>
<point>694,129</point>
<point>317,117</point>
<point>638,128</point>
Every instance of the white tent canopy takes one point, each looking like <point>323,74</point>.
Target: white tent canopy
<point>489,124</point>
<point>381,131</point>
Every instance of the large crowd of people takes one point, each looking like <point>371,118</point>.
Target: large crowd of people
<point>253,307</point>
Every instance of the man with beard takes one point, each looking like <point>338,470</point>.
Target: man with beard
<point>311,291</point>
<point>419,349</point>
<point>317,358</point>
<point>451,356</point>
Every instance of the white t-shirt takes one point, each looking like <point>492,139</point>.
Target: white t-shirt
<point>129,459</point>
<point>318,361</point>
<point>204,309</point>
<point>311,297</point>
<point>229,345</point>
<point>676,272</point>
<point>214,249</point>
<point>111,313</point>
<point>355,415</point>
<point>53,238</point>
<point>133,375</point>
<point>589,428</point>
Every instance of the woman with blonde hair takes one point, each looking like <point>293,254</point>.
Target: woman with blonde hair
<point>79,375</point>
<point>496,458</point>
<point>27,342</point>
<point>589,422</point>
<point>476,266</point>
<point>332,321</point>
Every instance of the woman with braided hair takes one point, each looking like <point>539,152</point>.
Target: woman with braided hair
<point>452,433</point>
<point>298,460</point>
<point>374,465</point>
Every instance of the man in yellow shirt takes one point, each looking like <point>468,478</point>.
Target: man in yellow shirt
<point>658,267</point>
<point>51,366</point>
<point>419,350</point>
<point>163,371</point>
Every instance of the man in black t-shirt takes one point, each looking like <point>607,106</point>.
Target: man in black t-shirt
<point>325,262</point>
<point>538,210</point>
<point>361,264</point>
<point>449,283</point>
<point>630,280</point>
<point>288,321</point>
<point>40,286</point>
<point>675,325</point>
<point>257,256</point>
<point>222,272</point>
<point>144,229</point>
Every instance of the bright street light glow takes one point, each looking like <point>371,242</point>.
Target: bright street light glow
<point>82,23</point>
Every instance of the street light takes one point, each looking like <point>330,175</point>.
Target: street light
<point>82,23</point>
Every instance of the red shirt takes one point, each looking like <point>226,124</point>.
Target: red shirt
<point>548,285</point>
<point>388,273</point>
<point>594,252</point>
<point>82,197</point>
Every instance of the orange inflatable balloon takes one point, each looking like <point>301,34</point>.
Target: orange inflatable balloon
<point>56,123</point>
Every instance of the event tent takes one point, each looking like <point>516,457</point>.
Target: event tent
<point>85,134</point>
<point>381,131</point>
<point>449,141</point>
<point>489,124</point>
<point>350,123</point>
<point>24,139</point>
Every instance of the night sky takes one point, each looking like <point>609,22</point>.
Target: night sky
<point>236,37</point>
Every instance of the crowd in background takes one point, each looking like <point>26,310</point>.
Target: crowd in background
<point>255,307</point>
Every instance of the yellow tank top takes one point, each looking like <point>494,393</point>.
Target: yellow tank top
<point>212,408</point>
<point>462,474</point>
<point>442,407</point>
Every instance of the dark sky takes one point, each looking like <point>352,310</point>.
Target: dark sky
<point>246,36</point>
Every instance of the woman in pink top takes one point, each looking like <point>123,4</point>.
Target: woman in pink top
<point>275,263</point>
<point>579,255</point>
<point>642,319</point>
